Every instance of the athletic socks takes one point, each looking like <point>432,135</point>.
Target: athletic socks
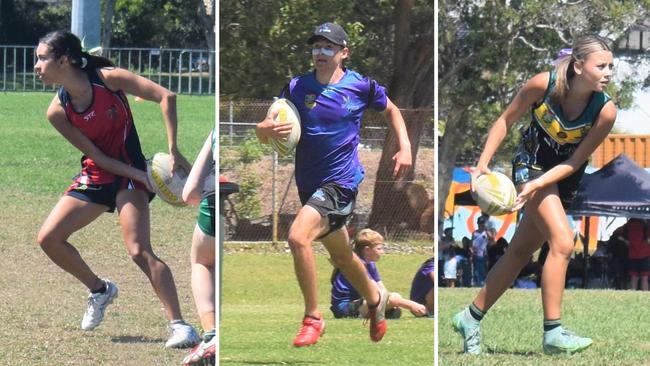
<point>550,324</point>
<point>100,290</point>
<point>472,315</point>
<point>476,313</point>
<point>207,336</point>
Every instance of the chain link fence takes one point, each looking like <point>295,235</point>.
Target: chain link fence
<point>268,199</point>
<point>183,71</point>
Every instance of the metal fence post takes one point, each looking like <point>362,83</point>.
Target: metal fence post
<point>4,69</point>
<point>274,208</point>
<point>230,119</point>
<point>24,69</point>
<point>14,79</point>
<point>189,86</point>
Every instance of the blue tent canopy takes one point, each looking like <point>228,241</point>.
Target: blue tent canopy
<point>621,188</point>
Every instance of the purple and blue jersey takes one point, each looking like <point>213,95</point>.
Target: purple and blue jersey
<point>330,120</point>
<point>422,282</point>
<point>342,290</point>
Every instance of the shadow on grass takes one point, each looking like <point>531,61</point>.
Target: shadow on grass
<point>136,339</point>
<point>251,362</point>
<point>495,352</point>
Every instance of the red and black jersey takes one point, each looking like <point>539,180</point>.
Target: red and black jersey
<point>108,123</point>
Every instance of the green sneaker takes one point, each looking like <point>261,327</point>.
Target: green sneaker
<point>471,332</point>
<point>562,341</point>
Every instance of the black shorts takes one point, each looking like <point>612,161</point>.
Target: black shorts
<point>104,194</point>
<point>331,201</point>
<point>638,267</point>
<point>567,187</point>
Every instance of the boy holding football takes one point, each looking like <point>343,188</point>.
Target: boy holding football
<point>331,102</point>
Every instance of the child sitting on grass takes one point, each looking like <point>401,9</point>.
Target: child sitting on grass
<point>346,301</point>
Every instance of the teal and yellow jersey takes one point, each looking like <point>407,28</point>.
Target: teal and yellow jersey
<point>551,137</point>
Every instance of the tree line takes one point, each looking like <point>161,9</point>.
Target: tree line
<point>124,23</point>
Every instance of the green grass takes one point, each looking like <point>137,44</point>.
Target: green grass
<point>262,310</point>
<point>34,157</point>
<point>40,305</point>
<point>511,332</point>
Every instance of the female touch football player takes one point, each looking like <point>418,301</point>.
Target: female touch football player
<point>201,192</point>
<point>571,116</point>
<point>331,102</point>
<point>91,111</point>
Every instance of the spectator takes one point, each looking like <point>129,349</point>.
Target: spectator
<point>451,268</point>
<point>480,240</point>
<point>617,249</point>
<point>423,285</point>
<point>489,226</point>
<point>347,302</point>
<point>635,234</point>
<point>445,242</point>
<point>495,251</point>
<point>465,263</point>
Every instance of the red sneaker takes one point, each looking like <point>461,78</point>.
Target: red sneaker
<point>377,317</point>
<point>203,354</point>
<point>310,331</point>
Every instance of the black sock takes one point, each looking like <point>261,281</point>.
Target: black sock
<point>475,312</point>
<point>550,324</point>
<point>100,290</point>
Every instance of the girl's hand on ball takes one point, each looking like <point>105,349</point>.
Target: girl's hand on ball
<point>475,173</point>
<point>179,162</point>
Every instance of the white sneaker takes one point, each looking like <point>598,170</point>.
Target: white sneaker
<point>182,335</point>
<point>205,351</point>
<point>97,305</point>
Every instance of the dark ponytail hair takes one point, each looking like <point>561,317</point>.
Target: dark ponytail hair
<point>65,43</point>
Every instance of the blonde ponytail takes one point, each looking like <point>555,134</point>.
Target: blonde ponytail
<point>564,67</point>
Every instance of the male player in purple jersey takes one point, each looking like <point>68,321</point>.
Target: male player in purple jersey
<point>331,101</point>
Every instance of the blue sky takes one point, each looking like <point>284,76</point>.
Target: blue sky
<point>637,118</point>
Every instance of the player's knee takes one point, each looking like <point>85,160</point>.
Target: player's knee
<point>137,255</point>
<point>47,239</point>
<point>562,247</point>
<point>297,241</point>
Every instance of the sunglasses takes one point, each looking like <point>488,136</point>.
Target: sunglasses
<point>323,51</point>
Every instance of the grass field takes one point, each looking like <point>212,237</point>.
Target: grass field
<point>40,305</point>
<point>512,330</point>
<point>262,310</point>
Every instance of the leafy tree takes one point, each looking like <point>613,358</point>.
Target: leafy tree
<point>261,50</point>
<point>488,49</point>
<point>127,23</point>
<point>24,22</point>
<point>157,23</point>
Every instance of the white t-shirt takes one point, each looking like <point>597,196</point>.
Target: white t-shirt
<point>479,243</point>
